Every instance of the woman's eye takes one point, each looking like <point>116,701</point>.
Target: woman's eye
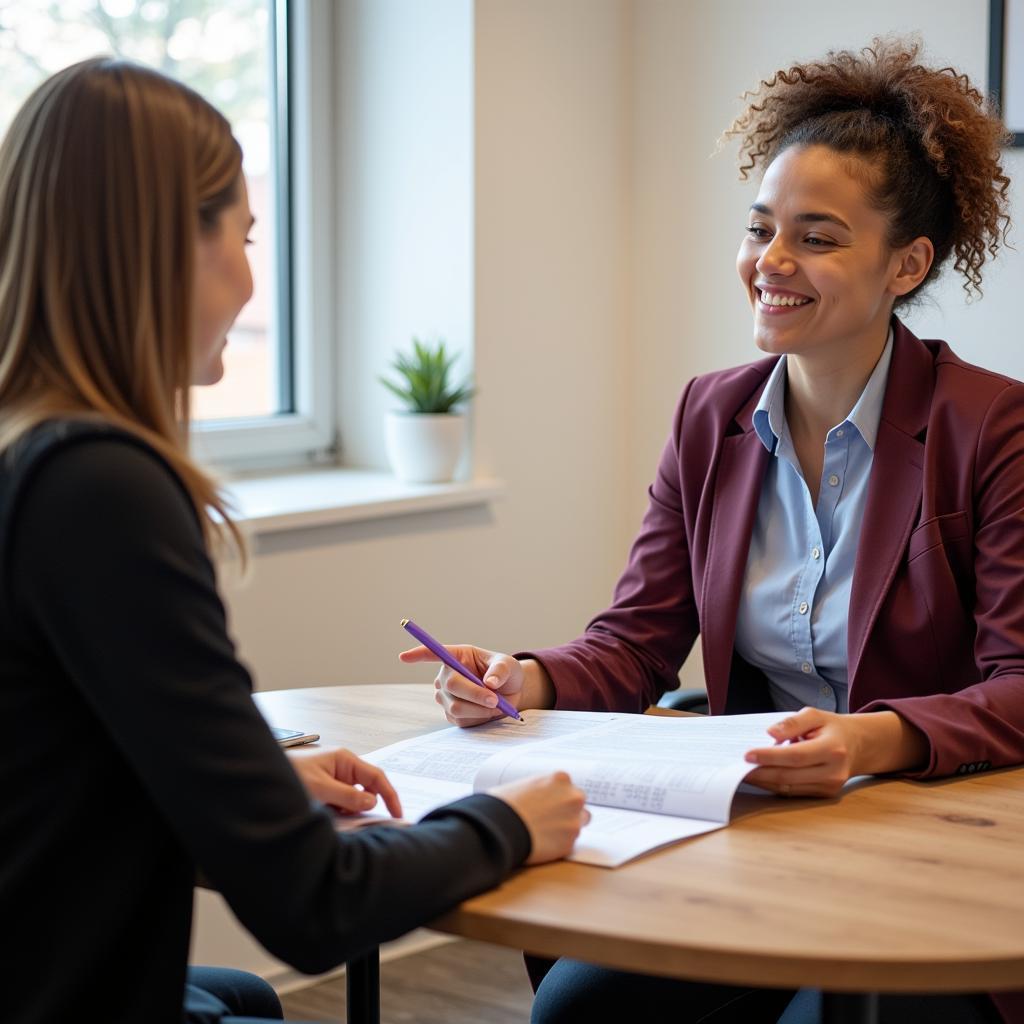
<point>812,240</point>
<point>756,232</point>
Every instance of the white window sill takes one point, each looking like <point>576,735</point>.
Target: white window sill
<point>324,497</point>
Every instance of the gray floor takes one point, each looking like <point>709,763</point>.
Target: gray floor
<point>458,983</point>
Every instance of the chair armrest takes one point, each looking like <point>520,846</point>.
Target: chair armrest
<point>686,700</point>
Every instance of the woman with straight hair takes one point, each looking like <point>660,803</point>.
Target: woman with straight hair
<point>842,523</point>
<point>135,756</point>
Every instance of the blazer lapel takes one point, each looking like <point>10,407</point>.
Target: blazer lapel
<point>894,491</point>
<point>741,470</point>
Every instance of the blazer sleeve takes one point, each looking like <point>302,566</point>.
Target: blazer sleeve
<point>982,725</point>
<point>114,580</point>
<point>631,653</point>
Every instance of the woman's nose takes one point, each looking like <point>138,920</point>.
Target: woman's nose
<point>775,258</point>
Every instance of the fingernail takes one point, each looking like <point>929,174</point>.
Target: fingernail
<point>751,758</point>
<point>492,680</point>
<point>369,801</point>
<point>491,701</point>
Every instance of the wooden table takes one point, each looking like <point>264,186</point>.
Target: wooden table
<point>897,887</point>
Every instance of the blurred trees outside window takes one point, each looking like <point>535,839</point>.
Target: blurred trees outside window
<point>222,49</point>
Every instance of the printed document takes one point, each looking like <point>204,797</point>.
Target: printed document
<point>649,780</point>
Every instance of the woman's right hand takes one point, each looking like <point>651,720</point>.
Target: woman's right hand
<point>465,703</point>
<point>552,809</point>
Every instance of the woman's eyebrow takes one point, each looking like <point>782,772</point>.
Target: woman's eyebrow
<point>804,218</point>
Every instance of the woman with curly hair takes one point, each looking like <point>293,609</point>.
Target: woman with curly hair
<point>842,523</point>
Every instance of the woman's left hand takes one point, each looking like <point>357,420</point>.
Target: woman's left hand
<point>816,751</point>
<point>814,755</point>
<point>344,781</point>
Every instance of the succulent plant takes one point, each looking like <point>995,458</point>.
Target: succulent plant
<point>425,379</point>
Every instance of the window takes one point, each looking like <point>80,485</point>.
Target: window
<point>274,398</point>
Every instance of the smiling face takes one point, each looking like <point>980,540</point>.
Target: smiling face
<point>816,264</point>
<point>223,285</point>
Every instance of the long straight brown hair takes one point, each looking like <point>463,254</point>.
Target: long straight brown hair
<point>108,174</point>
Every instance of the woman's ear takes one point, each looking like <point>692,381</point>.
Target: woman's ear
<point>912,264</point>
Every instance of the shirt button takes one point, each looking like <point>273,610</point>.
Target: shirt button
<point>806,668</point>
<point>833,480</point>
<point>803,607</point>
<point>815,553</point>
<point>840,432</point>
<point>826,690</point>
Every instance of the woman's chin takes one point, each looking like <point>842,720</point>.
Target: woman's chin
<point>209,375</point>
<point>769,342</point>
<point>776,339</point>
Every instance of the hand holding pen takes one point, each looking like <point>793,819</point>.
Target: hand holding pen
<point>475,685</point>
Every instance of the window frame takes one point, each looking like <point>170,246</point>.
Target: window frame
<point>304,163</point>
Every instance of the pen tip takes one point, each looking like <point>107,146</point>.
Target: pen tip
<point>403,622</point>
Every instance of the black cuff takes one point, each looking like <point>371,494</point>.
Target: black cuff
<point>496,817</point>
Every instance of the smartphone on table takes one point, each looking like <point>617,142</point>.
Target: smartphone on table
<point>293,737</point>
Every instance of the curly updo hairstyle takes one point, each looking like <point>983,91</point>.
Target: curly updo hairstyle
<point>929,138</point>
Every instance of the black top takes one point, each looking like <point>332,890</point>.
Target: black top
<point>133,755</point>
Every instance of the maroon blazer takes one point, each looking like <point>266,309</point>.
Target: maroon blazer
<point>936,621</point>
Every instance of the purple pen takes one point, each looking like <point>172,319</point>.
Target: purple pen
<point>456,666</point>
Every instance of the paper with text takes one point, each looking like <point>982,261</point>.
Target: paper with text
<point>684,767</point>
<point>650,781</point>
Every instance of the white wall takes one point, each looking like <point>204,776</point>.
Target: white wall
<point>404,231</point>
<point>552,276</point>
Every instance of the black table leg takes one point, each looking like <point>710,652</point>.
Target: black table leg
<point>362,985</point>
<point>849,1008</point>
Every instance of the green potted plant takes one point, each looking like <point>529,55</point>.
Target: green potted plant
<point>426,438</point>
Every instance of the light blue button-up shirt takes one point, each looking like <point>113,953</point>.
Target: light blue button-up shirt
<point>795,601</point>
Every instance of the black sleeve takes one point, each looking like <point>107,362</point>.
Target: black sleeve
<point>112,575</point>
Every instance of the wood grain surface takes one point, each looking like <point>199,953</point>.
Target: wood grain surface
<point>461,982</point>
<point>897,886</point>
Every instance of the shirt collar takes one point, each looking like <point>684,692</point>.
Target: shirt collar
<point>770,413</point>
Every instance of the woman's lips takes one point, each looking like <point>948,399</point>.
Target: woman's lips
<point>780,302</point>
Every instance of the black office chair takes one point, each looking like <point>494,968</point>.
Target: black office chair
<point>686,700</point>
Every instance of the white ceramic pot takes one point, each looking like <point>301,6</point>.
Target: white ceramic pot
<point>424,448</point>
